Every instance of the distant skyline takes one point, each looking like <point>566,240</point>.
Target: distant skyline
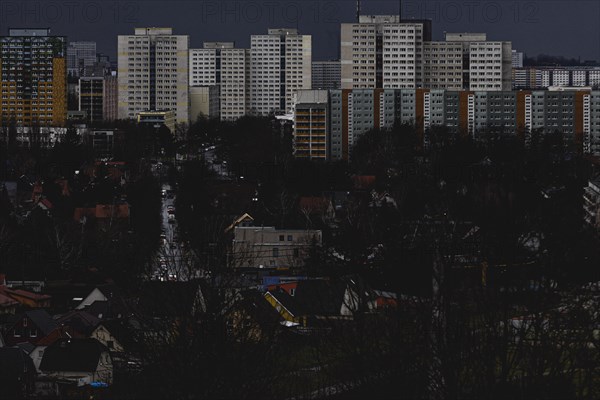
<point>566,28</point>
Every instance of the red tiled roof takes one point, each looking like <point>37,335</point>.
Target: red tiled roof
<point>313,203</point>
<point>6,301</point>
<point>363,181</point>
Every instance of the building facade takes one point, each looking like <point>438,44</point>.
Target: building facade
<point>91,98</point>
<point>204,100</point>
<point>280,65</point>
<point>80,55</point>
<point>326,74</point>
<point>33,78</point>
<point>153,73</point>
<point>311,124</point>
<point>544,77</point>
<point>382,51</point>
<point>222,65</point>
<point>517,59</point>
<point>267,247</point>
<point>525,113</point>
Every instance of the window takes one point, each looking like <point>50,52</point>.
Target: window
<point>24,322</point>
<point>296,253</point>
<point>290,238</point>
<point>275,252</point>
<point>281,238</point>
<point>33,333</point>
<point>110,344</point>
<point>292,291</point>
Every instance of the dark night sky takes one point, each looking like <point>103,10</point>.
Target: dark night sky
<point>566,27</point>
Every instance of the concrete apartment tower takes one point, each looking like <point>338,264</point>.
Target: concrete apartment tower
<point>153,73</point>
<point>280,65</point>
<point>383,51</point>
<point>487,65</point>
<point>224,67</point>
<point>33,78</point>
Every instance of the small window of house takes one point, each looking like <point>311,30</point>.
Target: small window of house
<point>110,344</point>
<point>275,252</point>
<point>290,238</point>
<point>292,291</point>
<point>24,322</point>
<point>296,253</point>
<point>281,238</point>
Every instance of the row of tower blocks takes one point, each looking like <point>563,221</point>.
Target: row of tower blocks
<point>389,70</point>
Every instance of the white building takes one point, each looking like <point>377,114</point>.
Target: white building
<point>382,51</point>
<point>221,64</point>
<point>79,56</point>
<point>443,65</point>
<point>280,64</point>
<point>153,73</point>
<point>487,64</point>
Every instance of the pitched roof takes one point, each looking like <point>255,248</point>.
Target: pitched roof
<point>314,203</point>
<point>42,320</point>
<point>6,301</point>
<point>75,355</point>
<point>106,309</point>
<point>314,297</point>
<point>120,329</point>
<point>80,321</point>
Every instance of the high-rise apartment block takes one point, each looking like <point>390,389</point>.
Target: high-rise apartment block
<point>153,73</point>
<point>80,55</point>
<point>382,51</point>
<point>33,78</point>
<point>349,113</point>
<point>91,97</point>
<point>326,74</point>
<point>98,97</point>
<point>221,64</point>
<point>487,65</point>
<point>517,59</point>
<point>280,65</point>
<point>544,77</point>
<point>311,124</point>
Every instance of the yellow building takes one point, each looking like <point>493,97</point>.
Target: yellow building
<point>33,78</point>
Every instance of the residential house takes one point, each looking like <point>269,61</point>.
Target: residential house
<point>251,318</point>
<point>8,305</point>
<point>267,247</point>
<point>102,292</point>
<point>17,374</point>
<point>244,220</point>
<point>31,326</point>
<point>120,338</point>
<point>25,297</point>
<point>104,214</point>
<point>78,321</point>
<point>318,300</point>
<point>78,361</point>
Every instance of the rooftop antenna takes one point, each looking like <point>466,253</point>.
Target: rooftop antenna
<point>357,11</point>
<point>399,10</point>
